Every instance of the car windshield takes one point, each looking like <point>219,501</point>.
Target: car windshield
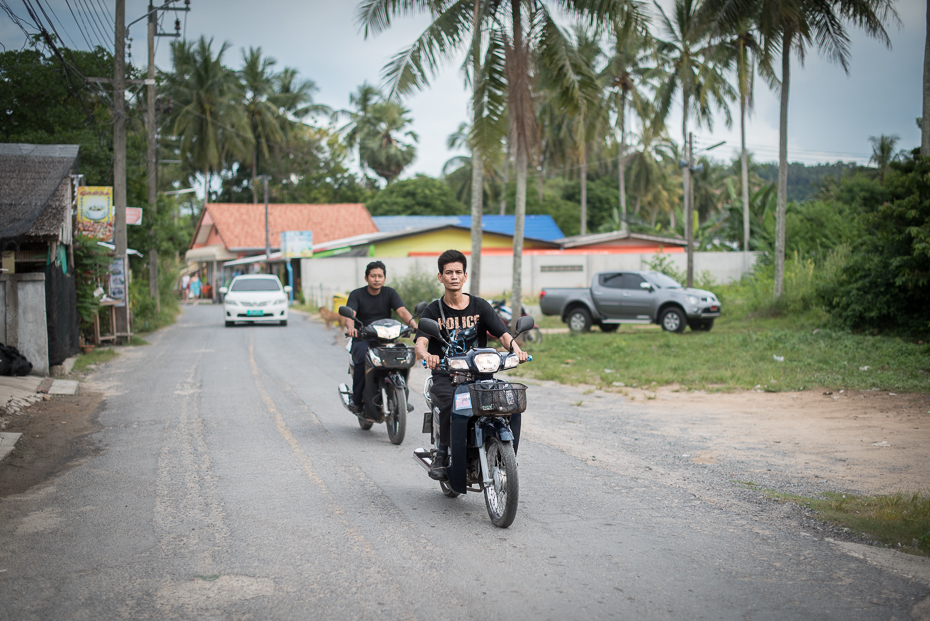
<point>663,282</point>
<point>256,284</point>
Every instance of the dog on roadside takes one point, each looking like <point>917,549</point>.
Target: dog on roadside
<point>331,317</point>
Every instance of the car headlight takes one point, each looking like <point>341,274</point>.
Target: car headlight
<point>458,364</point>
<point>231,302</point>
<point>693,299</point>
<point>488,363</point>
<point>511,361</point>
<point>374,357</point>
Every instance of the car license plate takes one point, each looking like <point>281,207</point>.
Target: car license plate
<point>255,313</point>
<point>714,308</point>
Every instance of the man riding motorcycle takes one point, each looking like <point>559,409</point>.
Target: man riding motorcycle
<point>370,303</point>
<point>467,320</point>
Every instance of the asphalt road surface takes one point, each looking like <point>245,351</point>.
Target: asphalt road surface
<point>231,483</point>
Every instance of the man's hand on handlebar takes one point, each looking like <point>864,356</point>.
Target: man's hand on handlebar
<point>522,355</point>
<point>351,332</point>
<point>431,361</point>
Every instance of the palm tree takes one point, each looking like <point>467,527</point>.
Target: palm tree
<point>533,31</point>
<point>626,71</point>
<point>259,82</point>
<point>787,26</point>
<point>883,153</point>
<point>208,124</point>
<point>694,65</point>
<point>380,148</point>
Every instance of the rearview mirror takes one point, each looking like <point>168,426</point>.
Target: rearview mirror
<point>418,310</point>
<point>224,290</point>
<point>288,289</point>
<point>429,327</point>
<point>645,285</point>
<point>347,312</point>
<point>525,324</point>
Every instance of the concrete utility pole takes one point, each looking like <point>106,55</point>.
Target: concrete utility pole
<point>267,235</point>
<point>119,160</point>
<point>152,152</point>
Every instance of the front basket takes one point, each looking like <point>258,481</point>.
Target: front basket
<point>497,399</point>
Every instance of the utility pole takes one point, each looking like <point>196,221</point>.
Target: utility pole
<point>689,209</point>
<point>119,161</point>
<point>152,153</point>
<point>267,235</point>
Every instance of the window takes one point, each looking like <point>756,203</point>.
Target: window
<point>257,284</point>
<point>631,281</point>
<point>612,281</point>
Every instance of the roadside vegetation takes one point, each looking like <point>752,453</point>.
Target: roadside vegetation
<point>900,521</point>
<point>98,356</point>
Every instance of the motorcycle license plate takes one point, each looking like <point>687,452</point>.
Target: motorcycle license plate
<point>463,401</point>
<point>255,313</point>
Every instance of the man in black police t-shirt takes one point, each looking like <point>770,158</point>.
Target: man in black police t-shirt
<point>370,304</point>
<point>470,319</point>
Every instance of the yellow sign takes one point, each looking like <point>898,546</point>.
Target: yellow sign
<point>95,211</point>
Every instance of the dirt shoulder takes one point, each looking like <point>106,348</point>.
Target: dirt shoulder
<point>56,436</point>
<point>871,442</point>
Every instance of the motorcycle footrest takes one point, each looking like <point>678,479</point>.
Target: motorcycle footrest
<point>423,457</point>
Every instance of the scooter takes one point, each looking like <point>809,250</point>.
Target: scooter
<point>482,442</point>
<point>385,394</point>
<point>533,335</point>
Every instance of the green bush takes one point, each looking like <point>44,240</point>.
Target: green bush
<point>145,312</point>
<point>885,284</point>
<point>663,263</point>
<point>417,287</point>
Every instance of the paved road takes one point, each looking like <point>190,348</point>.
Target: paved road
<point>232,484</point>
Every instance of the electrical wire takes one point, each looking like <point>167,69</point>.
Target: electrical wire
<point>98,29</point>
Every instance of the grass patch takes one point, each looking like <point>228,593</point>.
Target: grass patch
<point>135,339</point>
<point>98,356</point>
<point>901,521</point>
<point>738,354</point>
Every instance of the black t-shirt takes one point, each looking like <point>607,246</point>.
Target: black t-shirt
<point>466,328</point>
<point>370,308</point>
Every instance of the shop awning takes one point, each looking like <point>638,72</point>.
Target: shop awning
<point>260,258</point>
<point>217,252</point>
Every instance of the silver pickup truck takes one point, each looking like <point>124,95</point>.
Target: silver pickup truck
<point>631,297</point>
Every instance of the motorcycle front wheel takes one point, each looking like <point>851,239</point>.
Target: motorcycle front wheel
<point>502,496</point>
<point>396,419</point>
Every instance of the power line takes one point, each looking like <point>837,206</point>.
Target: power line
<point>98,29</point>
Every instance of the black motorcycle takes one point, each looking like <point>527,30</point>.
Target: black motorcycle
<point>384,397</point>
<point>483,457</point>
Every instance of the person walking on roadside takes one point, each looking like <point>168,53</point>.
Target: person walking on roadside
<point>185,288</point>
<point>195,287</point>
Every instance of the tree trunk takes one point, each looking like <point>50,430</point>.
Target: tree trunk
<point>477,167</point>
<point>520,97</point>
<point>621,163</point>
<point>584,181</point>
<point>539,180</point>
<point>781,203</point>
<point>744,176</point>
<point>925,121</point>
<point>686,171</point>
<point>506,181</point>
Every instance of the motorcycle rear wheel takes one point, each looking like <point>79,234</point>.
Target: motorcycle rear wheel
<point>364,424</point>
<point>448,491</point>
<point>396,420</point>
<point>503,495</point>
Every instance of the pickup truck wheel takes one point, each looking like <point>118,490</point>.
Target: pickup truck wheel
<point>579,320</point>
<point>673,320</point>
<point>609,327</point>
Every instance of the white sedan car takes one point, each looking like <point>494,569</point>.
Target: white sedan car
<point>258,298</point>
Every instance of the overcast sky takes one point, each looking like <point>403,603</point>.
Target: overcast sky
<point>831,114</point>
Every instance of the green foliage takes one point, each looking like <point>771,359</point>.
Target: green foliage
<point>420,196</point>
<point>90,265</point>
<point>663,263</point>
<point>805,181</point>
<point>147,316</point>
<point>885,284</point>
<point>416,287</point>
<point>98,356</point>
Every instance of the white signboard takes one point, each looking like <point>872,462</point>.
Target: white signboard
<point>296,244</point>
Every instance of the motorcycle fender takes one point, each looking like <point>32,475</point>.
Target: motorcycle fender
<point>494,427</point>
<point>461,414</point>
<point>398,380</point>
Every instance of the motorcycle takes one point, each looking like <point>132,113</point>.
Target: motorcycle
<point>482,451</point>
<point>385,395</point>
<point>500,307</point>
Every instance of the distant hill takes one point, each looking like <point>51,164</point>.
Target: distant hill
<point>803,180</point>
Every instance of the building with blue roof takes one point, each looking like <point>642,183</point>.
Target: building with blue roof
<point>541,227</point>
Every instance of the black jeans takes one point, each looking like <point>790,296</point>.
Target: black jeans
<point>442,394</point>
<point>359,351</point>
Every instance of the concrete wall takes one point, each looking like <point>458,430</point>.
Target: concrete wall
<point>22,318</point>
<point>323,278</point>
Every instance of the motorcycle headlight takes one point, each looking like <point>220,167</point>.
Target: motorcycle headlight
<point>511,361</point>
<point>388,332</point>
<point>374,357</point>
<point>488,363</point>
<point>458,364</point>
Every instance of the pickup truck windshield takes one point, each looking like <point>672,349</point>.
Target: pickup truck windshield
<point>664,282</point>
